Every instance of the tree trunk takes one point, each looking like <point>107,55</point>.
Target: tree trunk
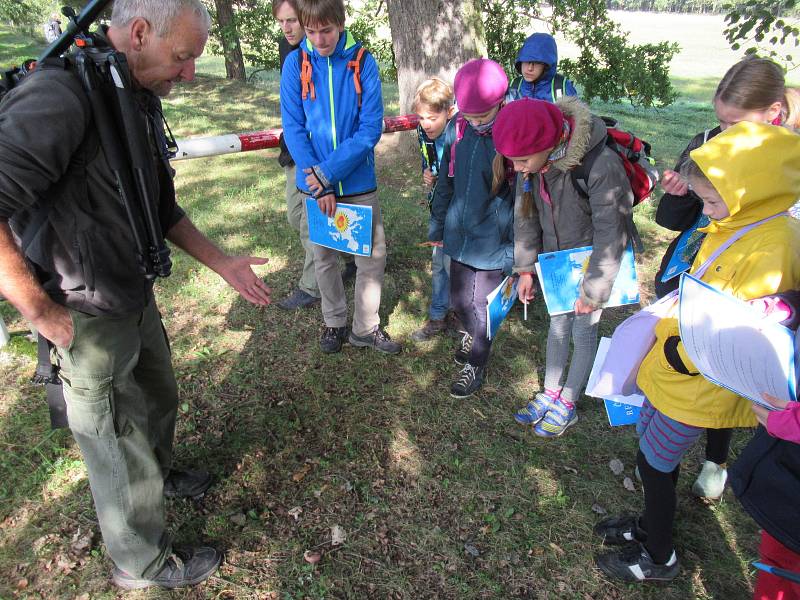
<point>433,38</point>
<point>229,36</point>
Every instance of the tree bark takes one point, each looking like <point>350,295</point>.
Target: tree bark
<point>229,36</point>
<point>433,38</point>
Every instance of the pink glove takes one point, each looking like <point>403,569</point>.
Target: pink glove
<point>772,308</point>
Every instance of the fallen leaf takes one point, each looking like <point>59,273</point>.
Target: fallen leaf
<point>338,535</point>
<point>239,519</point>
<point>471,550</point>
<point>301,473</point>
<point>598,509</point>
<point>295,512</point>
<point>557,549</point>
<point>312,557</point>
<point>628,484</point>
<point>616,466</point>
<point>22,584</point>
<point>81,543</point>
<point>571,470</point>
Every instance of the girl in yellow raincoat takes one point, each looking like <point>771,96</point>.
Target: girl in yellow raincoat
<point>746,174</point>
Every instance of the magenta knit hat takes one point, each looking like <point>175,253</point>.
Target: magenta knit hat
<point>527,126</point>
<point>480,85</point>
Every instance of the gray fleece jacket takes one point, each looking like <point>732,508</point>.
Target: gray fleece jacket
<point>601,221</point>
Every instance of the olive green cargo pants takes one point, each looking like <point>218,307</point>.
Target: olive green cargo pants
<point>122,400</point>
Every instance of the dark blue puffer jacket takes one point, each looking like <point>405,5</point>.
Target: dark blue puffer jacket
<point>477,227</point>
<point>540,47</point>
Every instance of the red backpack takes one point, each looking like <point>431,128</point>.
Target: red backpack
<point>635,154</point>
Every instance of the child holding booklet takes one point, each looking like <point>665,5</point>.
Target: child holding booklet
<point>751,90</point>
<point>544,142</point>
<point>471,219</point>
<point>745,176</point>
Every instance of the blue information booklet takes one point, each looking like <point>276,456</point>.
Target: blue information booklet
<point>499,303</point>
<point>620,413</point>
<point>561,273</point>
<point>685,250</point>
<point>349,230</point>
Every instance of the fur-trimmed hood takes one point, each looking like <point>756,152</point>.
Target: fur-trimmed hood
<point>585,134</point>
<point>565,217</point>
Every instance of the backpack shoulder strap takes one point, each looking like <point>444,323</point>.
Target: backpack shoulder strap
<point>357,65</point>
<point>580,174</point>
<point>558,87</point>
<point>729,242</point>
<point>306,81</point>
<point>460,127</point>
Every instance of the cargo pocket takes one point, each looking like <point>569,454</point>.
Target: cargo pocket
<point>89,409</point>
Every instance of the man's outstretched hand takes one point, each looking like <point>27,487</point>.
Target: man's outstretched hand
<point>237,272</point>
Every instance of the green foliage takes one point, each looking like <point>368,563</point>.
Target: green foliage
<point>504,32</point>
<point>26,13</point>
<point>365,23</point>
<point>607,67</point>
<point>757,26</point>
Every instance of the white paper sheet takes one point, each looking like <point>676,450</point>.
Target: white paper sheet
<point>599,359</point>
<point>732,346</point>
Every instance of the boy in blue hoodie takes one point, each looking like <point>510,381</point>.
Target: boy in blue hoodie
<point>332,113</point>
<point>536,63</point>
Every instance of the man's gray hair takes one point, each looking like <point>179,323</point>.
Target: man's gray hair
<point>159,13</point>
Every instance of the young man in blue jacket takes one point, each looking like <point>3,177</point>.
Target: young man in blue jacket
<point>332,118</point>
<point>536,62</point>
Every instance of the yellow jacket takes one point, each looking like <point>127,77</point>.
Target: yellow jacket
<point>756,170</point>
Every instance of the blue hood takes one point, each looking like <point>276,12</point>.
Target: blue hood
<point>540,47</point>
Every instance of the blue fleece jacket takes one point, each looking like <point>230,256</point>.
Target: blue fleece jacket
<point>477,227</point>
<point>540,47</point>
<point>330,132</point>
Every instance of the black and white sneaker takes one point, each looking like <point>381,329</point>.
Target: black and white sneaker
<point>633,563</point>
<point>461,355</point>
<point>469,381</point>
<point>618,531</point>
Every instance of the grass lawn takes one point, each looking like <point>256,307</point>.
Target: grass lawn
<point>438,498</point>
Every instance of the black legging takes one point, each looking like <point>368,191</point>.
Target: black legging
<point>659,508</point>
<point>468,290</point>
<point>718,445</point>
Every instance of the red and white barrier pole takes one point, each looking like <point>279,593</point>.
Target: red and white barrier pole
<point>261,140</point>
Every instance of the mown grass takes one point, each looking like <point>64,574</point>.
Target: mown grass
<point>439,499</point>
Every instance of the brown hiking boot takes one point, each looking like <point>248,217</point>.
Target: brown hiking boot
<point>455,328</point>
<point>429,330</point>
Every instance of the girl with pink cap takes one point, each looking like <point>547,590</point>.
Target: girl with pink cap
<point>543,142</point>
<point>472,222</point>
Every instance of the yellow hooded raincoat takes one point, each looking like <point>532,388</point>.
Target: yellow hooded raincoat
<point>756,170</point>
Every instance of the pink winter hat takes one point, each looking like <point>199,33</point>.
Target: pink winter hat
<point>527,126</point>
<point>480,85</point>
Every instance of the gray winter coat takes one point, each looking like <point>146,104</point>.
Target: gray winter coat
<point>601,221</point>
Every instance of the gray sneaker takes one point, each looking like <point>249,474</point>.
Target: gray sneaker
<point>378,340</point>
<point>298,299</point>
<point>182,568</point>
